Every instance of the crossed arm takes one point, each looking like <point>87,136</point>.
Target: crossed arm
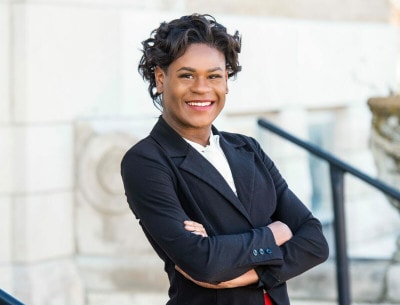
<point>281,233</point>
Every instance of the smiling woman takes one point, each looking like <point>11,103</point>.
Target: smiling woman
<point>170,41</point>
<point>212,204</point>
<point>193,90</point>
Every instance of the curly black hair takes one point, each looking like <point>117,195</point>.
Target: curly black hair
<point>171,40</point>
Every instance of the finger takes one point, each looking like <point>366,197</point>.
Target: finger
<point>203,233</point>
<point>190,227</point>
<point>193,227</point>
<point>196,230</point>
<point>193,223</point>
<point>179,269</point>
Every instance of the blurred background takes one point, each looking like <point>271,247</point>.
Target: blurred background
<point>72,103</point>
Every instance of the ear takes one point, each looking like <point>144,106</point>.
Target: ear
<point>159,75</point>
<point>226,81</point>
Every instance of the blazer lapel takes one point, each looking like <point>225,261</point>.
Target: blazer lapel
<point>198,166</point>
<point>242,165</point>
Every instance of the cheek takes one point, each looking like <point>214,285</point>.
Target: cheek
<point>223,91</point>
<point>172,94</point>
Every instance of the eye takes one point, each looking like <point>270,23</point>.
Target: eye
<point>186,75</point>
<point>215,76</point>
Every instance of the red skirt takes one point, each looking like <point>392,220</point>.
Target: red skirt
<point>267,300</point>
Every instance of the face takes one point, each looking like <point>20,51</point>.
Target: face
<point>194,88</point>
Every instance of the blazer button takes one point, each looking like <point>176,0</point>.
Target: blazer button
<point>268,250</point>
<point>255,253</point>
<point>261,251</point>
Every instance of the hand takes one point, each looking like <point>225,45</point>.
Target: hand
<point>202,284</point>
<point>195,228</point>
<point>248,278</point>
<point>281,232</point>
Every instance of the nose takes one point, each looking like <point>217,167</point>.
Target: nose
<point>201,85</point>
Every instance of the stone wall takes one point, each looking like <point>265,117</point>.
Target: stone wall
<point>71,103</point>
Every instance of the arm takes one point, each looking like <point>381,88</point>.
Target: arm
<point>248,278</point>
<point>151,188</point>
<point>307,248</point>
<point>281,234</point>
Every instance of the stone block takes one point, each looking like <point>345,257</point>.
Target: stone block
<point>112,263</point>
<point>4,62</point>
<point>35,158</point>
<point>319,283</point>
<point>7,159</point>
<point>150,298</point>
<point>104,233</point>
<point>124,4</point>
<point>43,226</point>
<point>393,283</point>
<point>6,278</point>
<point>42,158</point>
<point>367,280</point>
<point>135,27</point>
<point>293,121</point>
<point>103,214</point>
<point>353,10</point>
<point>353,132</point>
<point>55,282</point>
<point>6,216</point>
<point>315,284</point>
<point>66,69</point>
<point>297,174</point>
<point>105,56</point>
<point>371,234</point>
<point>153,298</point>
<point>327,63</point>
<point>136,273</point>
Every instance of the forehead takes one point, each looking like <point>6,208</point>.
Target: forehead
<point>200,55</point>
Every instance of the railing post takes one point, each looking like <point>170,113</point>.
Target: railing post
<point>342,263</point>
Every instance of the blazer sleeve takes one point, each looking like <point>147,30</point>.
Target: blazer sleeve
<point>151,190</point>
<point>308,246</point>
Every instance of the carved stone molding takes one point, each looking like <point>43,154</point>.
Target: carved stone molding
<point>103,217</point>
<point>113,253</point>
<point>98,171</point>
<point>385,144</point>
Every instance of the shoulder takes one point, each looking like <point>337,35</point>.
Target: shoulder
<point>139,146</point>
<point>145,147</point>
<point>146,160</point>
<point>247,143</point>
<point>238,139</point>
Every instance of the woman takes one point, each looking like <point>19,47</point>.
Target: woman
<point>212,204</point>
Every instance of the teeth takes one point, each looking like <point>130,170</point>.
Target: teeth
<point>199,104</point>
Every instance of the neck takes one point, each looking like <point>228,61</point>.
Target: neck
<point>197,135</point>
<point>202,140</point>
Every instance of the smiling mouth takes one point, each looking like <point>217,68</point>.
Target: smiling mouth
<point>200,103</point>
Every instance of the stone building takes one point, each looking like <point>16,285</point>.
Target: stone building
<point>72,102</point>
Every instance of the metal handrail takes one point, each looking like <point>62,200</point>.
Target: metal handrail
<point>7,299</point>
<point>337,170</point>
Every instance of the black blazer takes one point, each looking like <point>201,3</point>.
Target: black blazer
<point>167,181</point>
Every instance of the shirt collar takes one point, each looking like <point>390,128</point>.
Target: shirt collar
<point>214,143</point>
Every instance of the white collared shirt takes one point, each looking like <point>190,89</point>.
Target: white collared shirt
<point>215,155</point>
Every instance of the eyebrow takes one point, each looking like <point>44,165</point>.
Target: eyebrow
<point>194,70</point>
